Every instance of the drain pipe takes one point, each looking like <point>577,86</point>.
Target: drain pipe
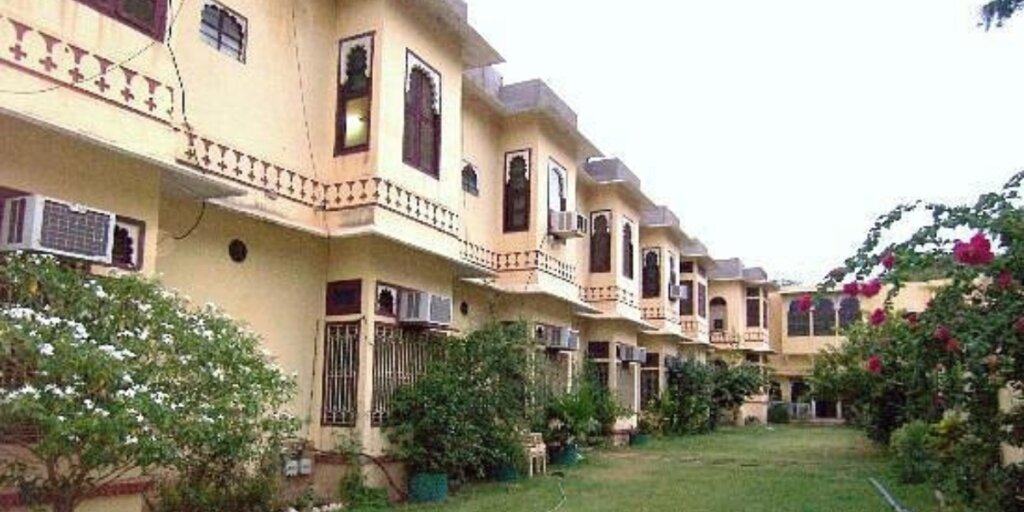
<point>888,497</point>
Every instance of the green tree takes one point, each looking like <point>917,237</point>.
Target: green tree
<point>996,12</point>
<point>119,377</point>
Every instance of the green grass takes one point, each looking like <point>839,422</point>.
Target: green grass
<point>790,468</point>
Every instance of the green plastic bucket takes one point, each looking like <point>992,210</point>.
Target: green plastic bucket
<point>566,456</point>
<point>428,487</point>
<point>506,474</point>
<point>639,439</point>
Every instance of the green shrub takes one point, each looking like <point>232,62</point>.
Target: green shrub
<point>579,416</point>
<point>465,416</point>
<point>238,491</point>
<point>912,447</point>
<point>778,413</point>
<point>358,497</point>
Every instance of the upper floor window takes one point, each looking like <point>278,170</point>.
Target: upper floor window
<point>651,274</point>
<point>824,318</point>
<point>686,267</point>
<point>601,242</point>
<point>702,300</point>
<point>753,307</point>
<point>686,298</point>
<point>628,249</point>
<point>147,16</point>
<point>470,180</point>
<point>517,191</point>
<point>355,88</point>
<point>557,186</point>
<point>719,313</point>
<point>673,278</point>
<point>421,143</point>
<point>798,323</point>
<point>224,30</point>
<point>849,312</point>
<point>129,238</point>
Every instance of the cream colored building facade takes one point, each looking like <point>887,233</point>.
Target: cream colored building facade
<point>340,175</point>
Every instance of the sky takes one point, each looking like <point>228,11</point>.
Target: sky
<point>778,131</point>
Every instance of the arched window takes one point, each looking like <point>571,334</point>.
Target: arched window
<point>673,277</point>
<point>627,250</point>
<point>719,313</point>
<point>517,192</point>
<point>849,312</point>
<point>824,318</point>
<point>352,123</point>
<point>469,180</point>
<point>798,323</point>
<point>223,30</point>
<point>556,188</point>
<point>601,242</point>
<point>421,144</point>
<point>651,274</point>
<point>753,307</point>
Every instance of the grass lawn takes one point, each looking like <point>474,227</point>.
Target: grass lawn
<point>790,468</point>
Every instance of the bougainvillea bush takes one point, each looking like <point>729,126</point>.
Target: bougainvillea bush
<point>119,377</point>
<point>944,366</point>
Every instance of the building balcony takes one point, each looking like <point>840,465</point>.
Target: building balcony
<point>695,329</point>
<point>663,317</point>
<point>535,271</point>
<point>726,340</point>
<point>614,302</point>
<point>756,339</point>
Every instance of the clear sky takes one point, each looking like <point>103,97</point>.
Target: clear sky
<point>778,130</point>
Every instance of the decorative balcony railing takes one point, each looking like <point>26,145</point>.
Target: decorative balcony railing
<point>212,157</point>
<point>518,261</point>
<point>392,197</point>
<point>65,64</point>
<point>660,312</point>
<point>755,336</point>
<point>610,294</point>
<point>725,338</point>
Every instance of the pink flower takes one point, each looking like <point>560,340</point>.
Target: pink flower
<point>1005,280</point>
<point>851,289</point>
<point>942,333</point>
<point>875,364</point>
<point>805,303</point>
<point>953,345</point>
<point>870,289</point>
<point>976,252</point>
<point>879,317</point>
<point>888,261</point>
<point>912,319</point>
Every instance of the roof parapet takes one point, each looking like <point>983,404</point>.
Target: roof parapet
<point>534,95</point>
<point>611,170</point>
<point>659,216</point>
<point>453,16</point>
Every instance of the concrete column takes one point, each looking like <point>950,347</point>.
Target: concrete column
<point>839,410</point>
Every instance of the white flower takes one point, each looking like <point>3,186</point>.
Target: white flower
<point>46,349</point>
<point>131,440</point>
<point>89,405</point>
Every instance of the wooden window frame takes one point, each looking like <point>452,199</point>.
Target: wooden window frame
<point>510,224</point>
<point>414,158</point>
<point>225,12</point>
<point>650,290</point>
<point>345,47</point>
<point>795,317</point>
<point>604,266</point>
<point>628,249</point>
<point>115,9</point>
<point>355,285</point>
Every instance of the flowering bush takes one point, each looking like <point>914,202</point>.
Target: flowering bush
<point>119,376</point>
<point>944,366</point>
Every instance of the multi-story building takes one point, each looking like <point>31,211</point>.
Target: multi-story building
<point>799,337</point>
<point>739,320</point>
<point>343,175</point>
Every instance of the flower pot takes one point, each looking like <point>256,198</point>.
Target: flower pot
<point>568,455</point>
<point>506,474</point>
<point>639,439</point>
<point>428,487</point>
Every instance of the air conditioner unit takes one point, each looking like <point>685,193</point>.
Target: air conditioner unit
<point>565,339</point>
<point>41,224</point>
<point>641,355</point>
<point>674,291</point>
<point>423,308</point>
<point>567,224</point>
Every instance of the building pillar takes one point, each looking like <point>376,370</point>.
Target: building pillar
<point>839,410</point>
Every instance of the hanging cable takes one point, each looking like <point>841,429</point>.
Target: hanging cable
<point>199,220</point>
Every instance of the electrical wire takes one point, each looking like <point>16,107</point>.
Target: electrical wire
<point>120,63</point>
<point>199,220</point>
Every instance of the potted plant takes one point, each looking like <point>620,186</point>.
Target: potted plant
<point>649,424</point>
